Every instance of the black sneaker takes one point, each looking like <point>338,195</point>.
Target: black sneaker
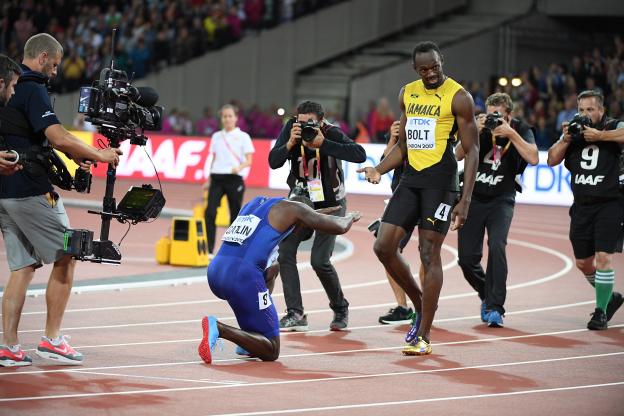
<point>614,304</point>
<point>341,320</point>
<point>598,321</point>
<point>398,315</point>
<point>293,321</point>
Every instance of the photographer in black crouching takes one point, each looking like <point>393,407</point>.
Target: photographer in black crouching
<point>506,146</point>
<point>315,149</point>
<point>591,146</point>
<point>32,217</point>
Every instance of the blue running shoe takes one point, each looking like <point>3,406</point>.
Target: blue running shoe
<point>411,334</point>
<point>495,320</point>
<point>242,351</point>
<point>211,334</point>
<point>484,312</point>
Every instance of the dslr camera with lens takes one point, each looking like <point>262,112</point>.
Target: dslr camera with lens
<point>493,120</point>
<point>309,129</point>
<point>575,128</point>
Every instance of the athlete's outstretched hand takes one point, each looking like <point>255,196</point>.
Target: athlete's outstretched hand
<point>371,174</point>
<point>356,215</point>
<point>459,214</point>
<point>328,210</point>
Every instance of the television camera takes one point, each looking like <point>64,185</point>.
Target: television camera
<point>120,112</point>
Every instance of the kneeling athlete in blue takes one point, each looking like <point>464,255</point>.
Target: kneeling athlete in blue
<point>243,274</point>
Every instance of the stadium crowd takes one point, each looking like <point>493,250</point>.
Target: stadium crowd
<point>152,34</point>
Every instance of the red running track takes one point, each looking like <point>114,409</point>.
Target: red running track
<point>140,344</point>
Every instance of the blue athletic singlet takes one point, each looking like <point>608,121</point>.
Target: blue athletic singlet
<point>236,274</point>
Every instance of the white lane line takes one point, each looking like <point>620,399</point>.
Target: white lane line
<point>313,380</point>
<point>172,379</point>
<point>568,264</point>
<point>320,331</point>
<point>433,399</point>
<point>311,354</point>
<point>317,311</point>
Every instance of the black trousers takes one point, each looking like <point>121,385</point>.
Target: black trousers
<point>322,249</point>
<point>494,216</point>
<point>222,184</point>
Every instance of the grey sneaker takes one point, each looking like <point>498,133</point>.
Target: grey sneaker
<point>341,320</point>
<point>293,321</point>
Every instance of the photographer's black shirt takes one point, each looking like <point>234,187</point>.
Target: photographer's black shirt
<point>498,168</point>
<point>594,166</point>
<point>32,99</point>
<point>335,148</point>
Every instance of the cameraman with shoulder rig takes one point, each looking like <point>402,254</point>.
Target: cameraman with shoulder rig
<point>32,216</point>
<point>591,146</point>
<point>506,145</point>
<point>315,149</point>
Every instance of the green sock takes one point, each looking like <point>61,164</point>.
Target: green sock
<point>604,288</point>
<point>591,279</point>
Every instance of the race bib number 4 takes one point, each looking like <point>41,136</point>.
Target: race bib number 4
<point>242,227</point>
<point>420,133</point>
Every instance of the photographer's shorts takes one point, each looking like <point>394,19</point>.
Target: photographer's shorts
<point>33,230</point>
<point>596,227</point>
<point>430,209</point>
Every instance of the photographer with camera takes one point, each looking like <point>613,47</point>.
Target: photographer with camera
<point>591,146</point>
<point>32,216</point>
<point>315,149</point>
<point>9,73</point>
<point>506,145</point>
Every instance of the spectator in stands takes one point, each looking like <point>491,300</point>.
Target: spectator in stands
<point>567,112</point>
<point>208,124</point>
<point>140,58</point>
<point>74,70</point>
<point>381,120</point>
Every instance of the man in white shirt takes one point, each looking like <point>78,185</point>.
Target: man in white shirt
<point>231,151</point>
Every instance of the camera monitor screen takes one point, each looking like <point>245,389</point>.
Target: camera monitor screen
<point>85,98</point>
<point>141,203</point>
<point>137,199</point>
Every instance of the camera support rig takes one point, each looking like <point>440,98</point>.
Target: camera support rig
<point>119,110</point>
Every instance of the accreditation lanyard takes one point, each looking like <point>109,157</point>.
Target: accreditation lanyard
<point>496,162</point>
<point>315,186</point>
<point>304,161</point>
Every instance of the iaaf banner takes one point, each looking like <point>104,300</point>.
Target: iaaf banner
<point>541,184</point>
<point>187,159</point>
<point>179,158</point>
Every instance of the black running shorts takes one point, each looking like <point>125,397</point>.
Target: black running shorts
<point>430,209</point>
<point>596,227</point>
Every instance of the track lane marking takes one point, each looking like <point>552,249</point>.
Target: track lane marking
<point>314,354</point>
<point>314,380</point>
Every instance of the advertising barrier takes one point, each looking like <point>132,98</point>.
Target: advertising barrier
<point>187,159</point>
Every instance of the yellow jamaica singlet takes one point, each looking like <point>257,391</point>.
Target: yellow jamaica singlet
<point>429,130</point>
